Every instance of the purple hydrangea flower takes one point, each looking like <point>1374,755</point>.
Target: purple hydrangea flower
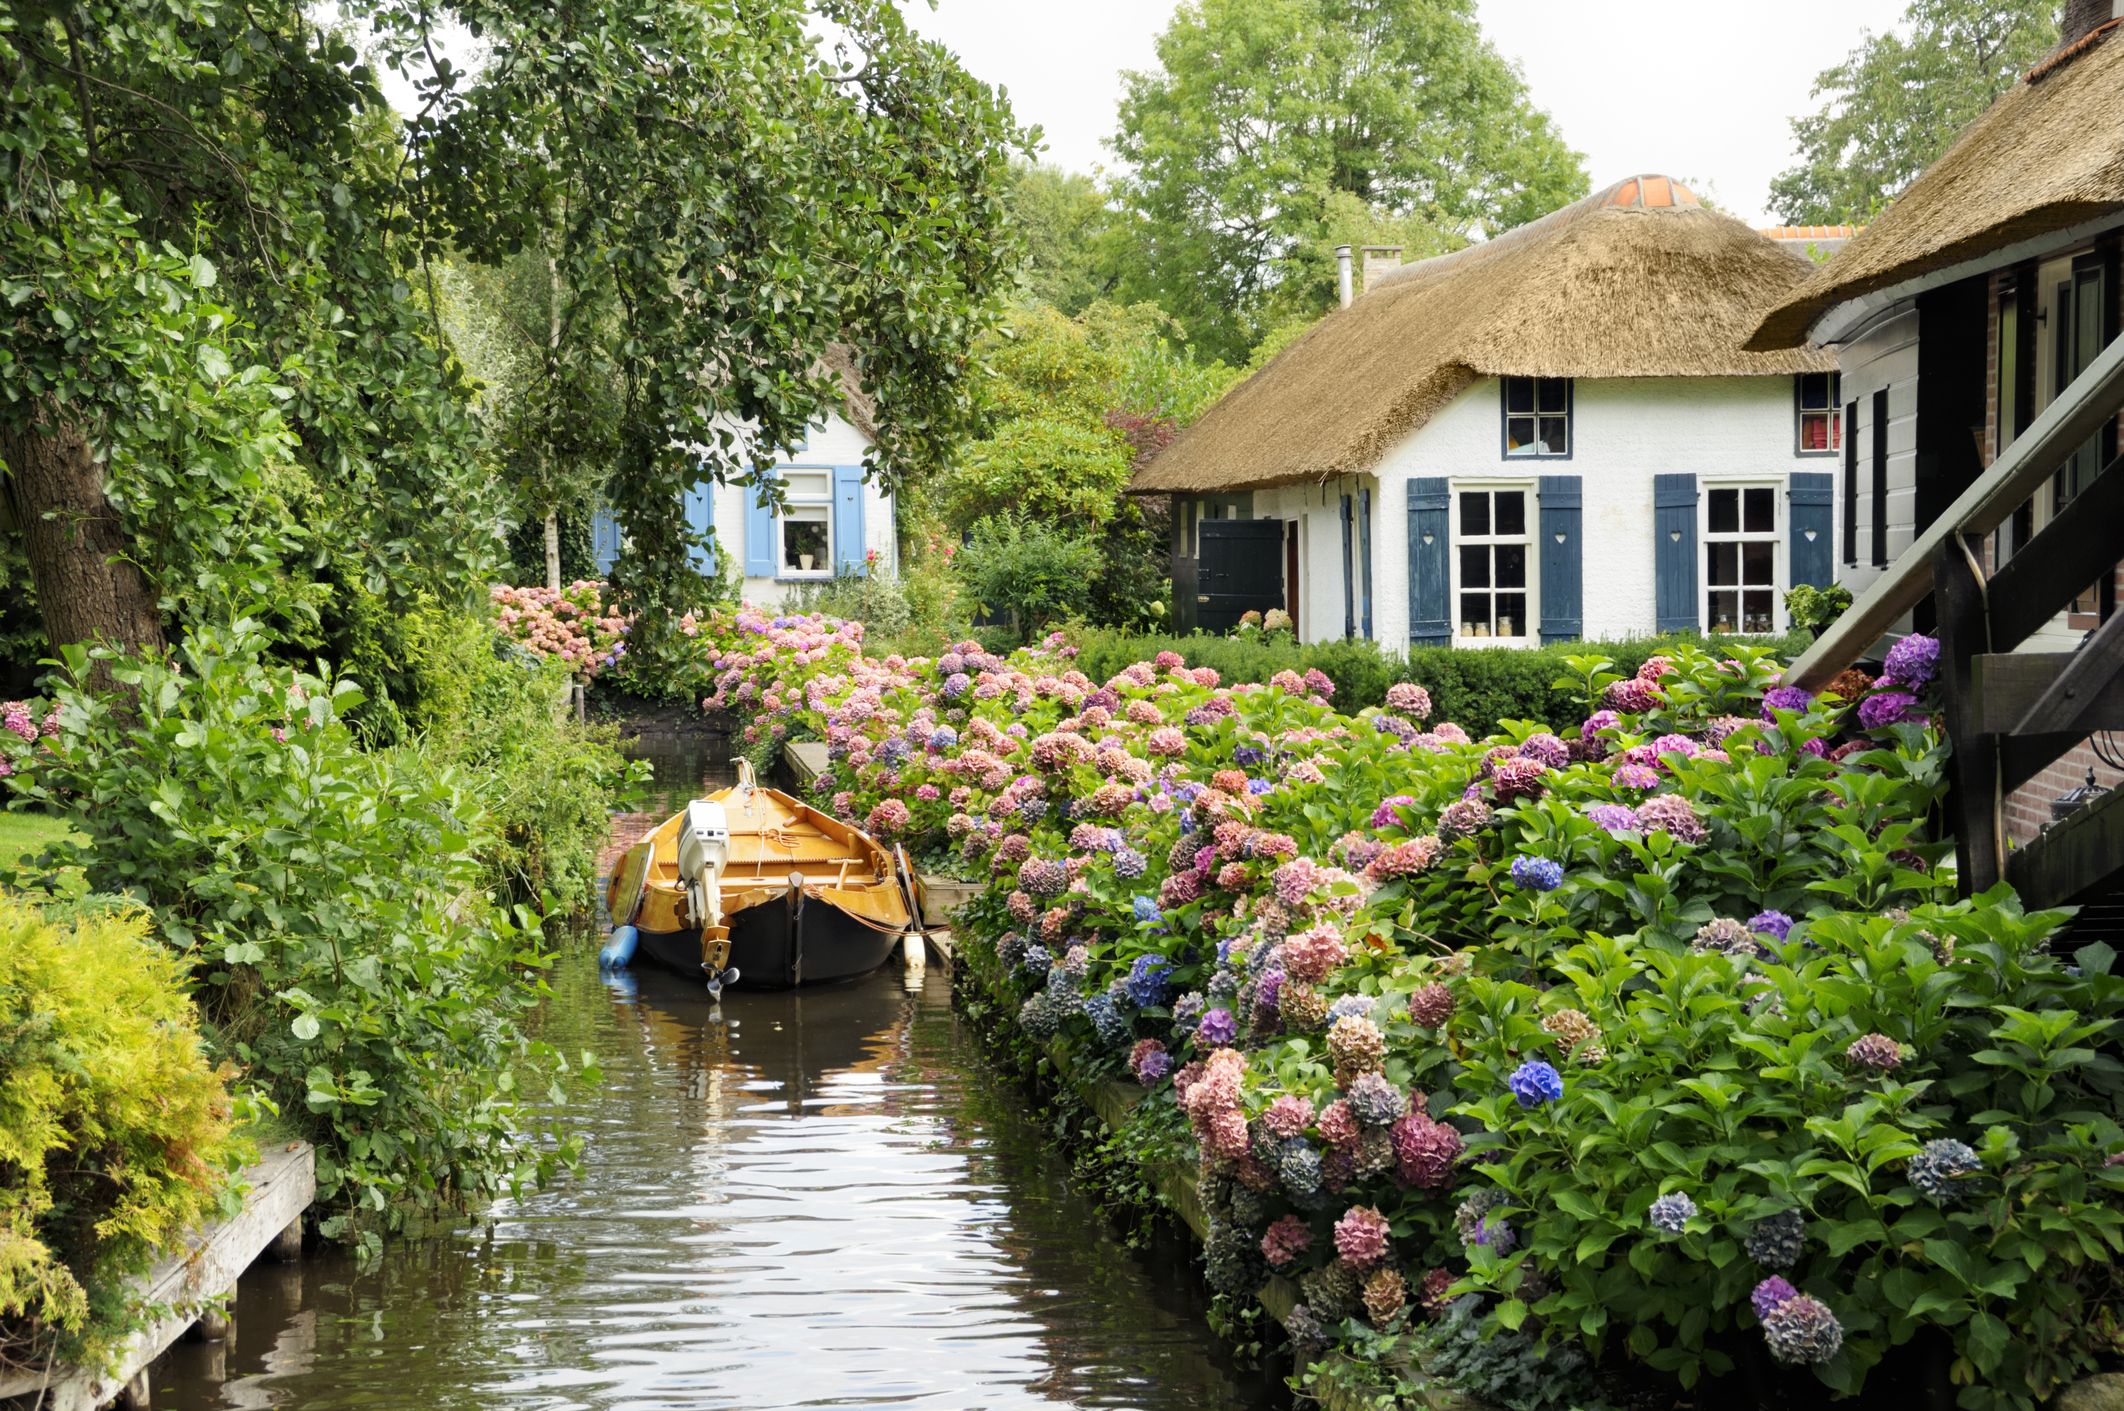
<point>1913,661</point>
<point>1387,815</point>
<point>1769,1294</point>
<point>1774,924</point>
<point>1217,1029</point>
<point>1885,708</point>
<point>1802,1331</point>
<point>1614,817</point>
<point>1149,980</point>
<point>1534,1083</point>
<point>1779,698</point>
<point>1598,721</point>
<point>1671,1213</point>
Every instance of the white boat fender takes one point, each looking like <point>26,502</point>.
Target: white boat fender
<point>618,952</point>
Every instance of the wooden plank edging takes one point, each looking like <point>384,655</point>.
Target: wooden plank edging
<point>281,1186</point>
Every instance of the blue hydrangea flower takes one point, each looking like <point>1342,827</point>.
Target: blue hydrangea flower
<point>1535,1082</point>
<point>1258,787</point>
<point>1671,1213</point>
<point>1187,820</point>
<point>1247,756</point>
<point>1941,1166</point>
<point>1107,1020</point>
<point>1150,980</point>
<point>1537,874</point>
<point>943,738</point>
<point>1359,1005</point>
<point>1146,911</point>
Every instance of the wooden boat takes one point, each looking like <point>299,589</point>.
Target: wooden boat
<point>752,887</point>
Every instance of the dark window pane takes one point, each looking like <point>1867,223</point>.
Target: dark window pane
<point>1511,565</point>
<point>1474,512</point>
<point>1474,565</point>
<point>1474,612</point>
<point>1519,394</point>
<point>1554,393</point>
<point>1555,435</point>
<point>1511,512</point>
<point>1758,562</point>
<point>1725,511</point>
<point>1519,436</point>
<point>1722,564</point>
<point>1755,612</point>
<point>1814,389</point>
<point>1511,614</point>
<point>1723,606</point>
<point>1761,510</point>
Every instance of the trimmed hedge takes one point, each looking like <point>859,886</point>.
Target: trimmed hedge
<point>1479,687</point>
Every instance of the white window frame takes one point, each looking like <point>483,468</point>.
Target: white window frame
<point>1528,633</point>
<point>791,499</point>
<point>1741,535</point>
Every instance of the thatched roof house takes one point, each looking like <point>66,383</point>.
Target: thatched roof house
<point>1575,377</point>
<point>2048,157</point>
<point>1638,280</point>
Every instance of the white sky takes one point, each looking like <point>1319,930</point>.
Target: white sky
<point>1698,89</point>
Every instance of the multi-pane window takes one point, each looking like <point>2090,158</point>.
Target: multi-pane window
<point>1537,417</point>
<point>806,524</point>
<point>1494,549</point>
<point>1740,558</point>
<point>1821,431</point>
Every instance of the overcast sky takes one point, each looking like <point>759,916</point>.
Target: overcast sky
<point>1700,89</point>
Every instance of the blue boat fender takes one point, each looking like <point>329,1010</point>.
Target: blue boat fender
<point>619,951</point>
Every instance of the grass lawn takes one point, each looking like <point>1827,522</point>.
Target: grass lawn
<point>24,833</point>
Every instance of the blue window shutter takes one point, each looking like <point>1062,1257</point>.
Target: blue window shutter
<point>848,557</point>
<point>1430,585</point>
<point>604,540</point>
<point>1364,561</point>
<point>1563,614</point>
<point>1349,577</point>
<point>1674,552</point>
<point>1813,535</point>
<point>700,518</point>
<point>759,531</point>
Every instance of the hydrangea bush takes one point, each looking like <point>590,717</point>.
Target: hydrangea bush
<point>572,623</point>
<point>1663,1040</point>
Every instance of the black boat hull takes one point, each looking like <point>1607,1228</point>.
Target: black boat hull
<point>778,947</point>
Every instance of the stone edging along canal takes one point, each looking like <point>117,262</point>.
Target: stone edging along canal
<point>1343,1386</point>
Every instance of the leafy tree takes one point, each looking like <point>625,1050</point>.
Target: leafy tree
<point>1275,129</point>
<point>1074,239</point>
<point>1031,570</point>
<point>723,199</point>
<point>219,387</point>
<point>1896,102</point>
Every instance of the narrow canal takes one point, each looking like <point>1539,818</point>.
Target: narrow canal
<point>809,1199</point>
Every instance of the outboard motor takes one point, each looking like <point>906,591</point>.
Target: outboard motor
<point>703,853</point>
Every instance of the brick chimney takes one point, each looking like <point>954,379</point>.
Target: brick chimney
<point>2083,15</point>
<point>1378,259</point>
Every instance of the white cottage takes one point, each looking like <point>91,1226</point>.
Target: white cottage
<point>832,523</point>
<point>1554,434</point>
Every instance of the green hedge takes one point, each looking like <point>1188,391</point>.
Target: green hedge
<point>1477,687</point>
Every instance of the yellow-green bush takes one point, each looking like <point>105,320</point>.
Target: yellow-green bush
<point>116,1130</point>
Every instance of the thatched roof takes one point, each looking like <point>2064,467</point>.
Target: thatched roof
<point>1638,280</point>
<point>858,408</point>
<point>2048,155</point>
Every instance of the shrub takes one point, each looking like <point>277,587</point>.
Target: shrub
<point>497,716</point>
<point>1029,570</point>
<point>328,901</point>
<point>115,1126</point>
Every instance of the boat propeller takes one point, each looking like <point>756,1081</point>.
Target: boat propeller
<point>719,977</point>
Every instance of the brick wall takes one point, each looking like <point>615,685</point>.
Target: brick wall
<point>2028,808</point>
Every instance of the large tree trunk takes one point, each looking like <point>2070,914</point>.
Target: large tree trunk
<point>88,589</point>
<point>553,550</point>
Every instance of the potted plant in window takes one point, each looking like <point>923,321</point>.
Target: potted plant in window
<point>1815,608</point>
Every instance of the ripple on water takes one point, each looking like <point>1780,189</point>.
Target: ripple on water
<point>809,1200</point>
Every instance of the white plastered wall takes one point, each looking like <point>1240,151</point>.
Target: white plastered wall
<point>837,442</point>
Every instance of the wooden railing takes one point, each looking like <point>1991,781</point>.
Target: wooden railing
<point>2010,714</point>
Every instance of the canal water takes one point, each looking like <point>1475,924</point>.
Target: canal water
<point>809,1199</point>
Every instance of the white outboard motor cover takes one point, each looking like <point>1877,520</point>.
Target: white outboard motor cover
<point>704,841</point>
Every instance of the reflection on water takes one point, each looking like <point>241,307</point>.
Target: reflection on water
<point>809,1199</point>
<point>687,764</point>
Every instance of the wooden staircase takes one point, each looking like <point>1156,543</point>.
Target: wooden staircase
<point>2010,714</point>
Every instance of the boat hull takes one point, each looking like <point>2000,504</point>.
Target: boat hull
<point>774,949</point>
